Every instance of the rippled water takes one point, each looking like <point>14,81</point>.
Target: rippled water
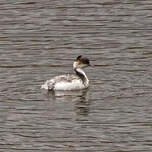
<point>40,39</point>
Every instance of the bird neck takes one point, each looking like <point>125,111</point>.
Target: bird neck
<point>81,74</point>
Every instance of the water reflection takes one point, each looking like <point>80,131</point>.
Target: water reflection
<point>82,106</point>
<point>79,97</point>
<point>58,94</point>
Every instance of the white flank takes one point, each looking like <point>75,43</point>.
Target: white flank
<point>74,85</point>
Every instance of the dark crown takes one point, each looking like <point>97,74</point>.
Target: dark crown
<point>83,60</point>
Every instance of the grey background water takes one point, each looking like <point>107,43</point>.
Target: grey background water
<point>40,39</point>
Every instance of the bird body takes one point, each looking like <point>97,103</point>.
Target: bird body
<point>75,81</point>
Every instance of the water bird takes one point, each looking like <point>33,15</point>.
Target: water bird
<point>75,81</point>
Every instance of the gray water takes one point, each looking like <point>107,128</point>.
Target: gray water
<point>40,39</point>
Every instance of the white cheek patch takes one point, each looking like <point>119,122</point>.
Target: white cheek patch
<point>75,64</point>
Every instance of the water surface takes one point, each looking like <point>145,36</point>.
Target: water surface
<point>40,39</point>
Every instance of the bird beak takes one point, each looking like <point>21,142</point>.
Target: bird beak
<point>91,65</point>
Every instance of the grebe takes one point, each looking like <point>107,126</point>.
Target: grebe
<point>75,81</point>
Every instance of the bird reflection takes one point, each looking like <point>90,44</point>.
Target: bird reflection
<point>80,99</point>
<point>82,106</point>
<point>57,94</point>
